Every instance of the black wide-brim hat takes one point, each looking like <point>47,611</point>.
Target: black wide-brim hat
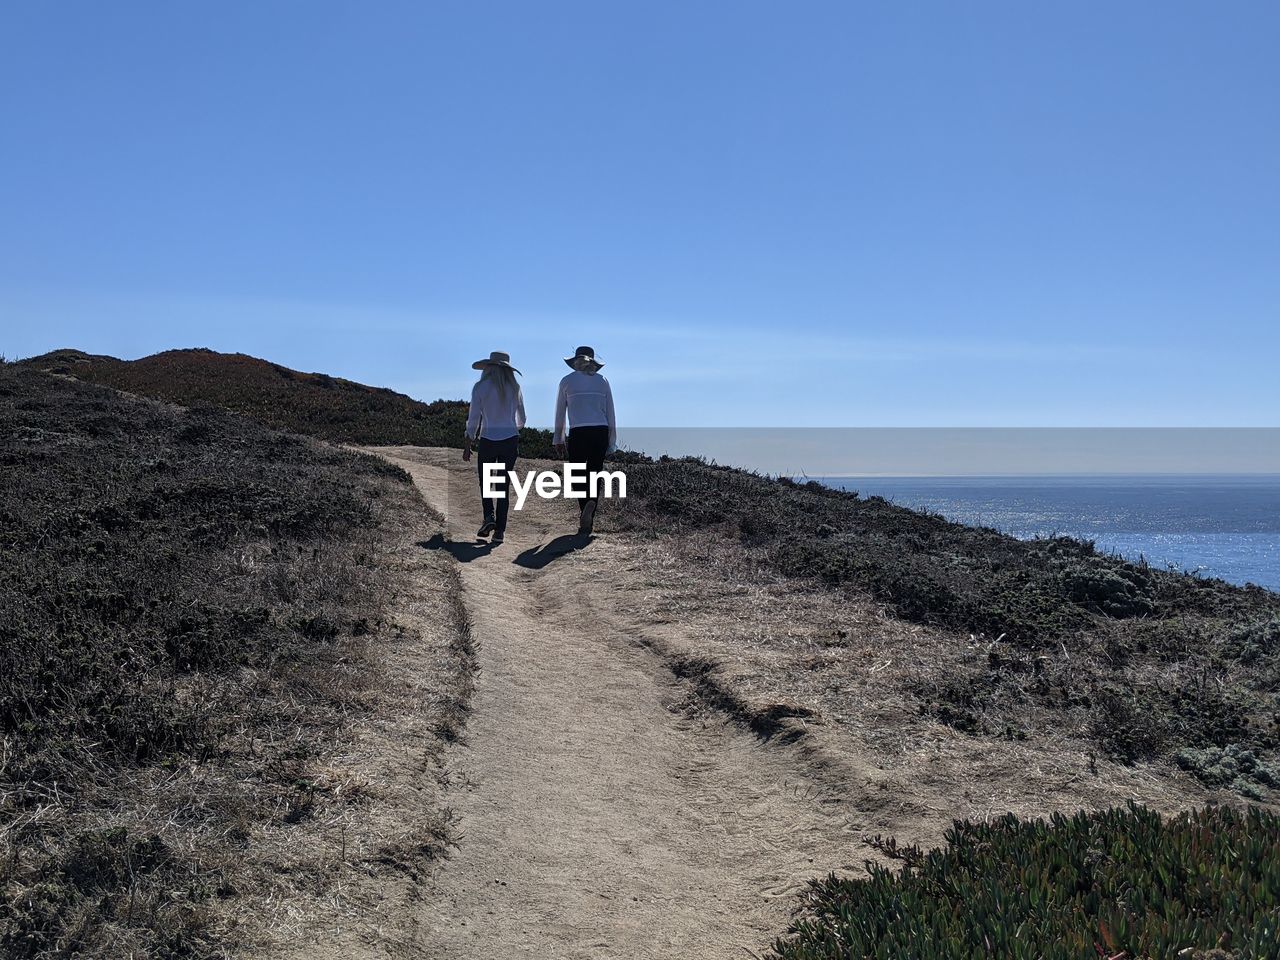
<point>584,353</point>
<point>496,359</point>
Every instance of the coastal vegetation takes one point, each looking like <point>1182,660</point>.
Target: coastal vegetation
<point>1123,883</point>
<point>189,604</point>
<point>1145,664</point>
<point>194,591</point>
<point>314,404</point>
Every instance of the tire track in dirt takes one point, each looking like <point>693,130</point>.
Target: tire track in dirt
<point>601,814</point>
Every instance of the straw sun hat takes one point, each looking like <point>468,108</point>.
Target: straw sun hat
<point>495,359</point>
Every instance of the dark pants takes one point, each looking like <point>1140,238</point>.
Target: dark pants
<point>588,445</point>
<point>503,452</point>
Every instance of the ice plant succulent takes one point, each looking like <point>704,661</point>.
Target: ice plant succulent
<point>1123,883</point>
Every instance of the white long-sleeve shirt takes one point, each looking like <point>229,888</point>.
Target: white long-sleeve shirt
<point>587,401</point>
<point>493,416</point>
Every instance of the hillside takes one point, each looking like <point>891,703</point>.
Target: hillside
<point>195,612</point>
<point>672,739</point>
<point>1034,639</point>
<point>208,613</point>
<point>310,403</point>
<point>1140,664</point>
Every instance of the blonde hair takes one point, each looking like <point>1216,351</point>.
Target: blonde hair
<point>503,377</point>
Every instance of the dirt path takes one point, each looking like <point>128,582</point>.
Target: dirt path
<point>600,815</point>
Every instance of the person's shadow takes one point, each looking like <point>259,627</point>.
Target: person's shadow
<point>535,558</point>
<point>462,552</point>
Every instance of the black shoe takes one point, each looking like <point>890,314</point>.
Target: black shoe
<point>588,518</point>
<point>498,537</point>
<point>486,528</point>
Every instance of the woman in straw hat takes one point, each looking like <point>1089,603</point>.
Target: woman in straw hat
<point>493,423</point>
<point>586,401</point>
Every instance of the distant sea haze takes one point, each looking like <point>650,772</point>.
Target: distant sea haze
<point>1219,525</point>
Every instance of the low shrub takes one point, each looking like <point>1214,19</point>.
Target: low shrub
<point>180,590</point>
<point>1123,883</point>
<point>1232,766</point>
<point>1126,637</point>
<point>926,568</point>
<point>315,404</point>
<point>1141,662</point>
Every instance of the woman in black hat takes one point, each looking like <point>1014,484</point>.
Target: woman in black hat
<point>586,400</point>
<point>494,422</point>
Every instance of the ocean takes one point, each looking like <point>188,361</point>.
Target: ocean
<point>1225,526</point>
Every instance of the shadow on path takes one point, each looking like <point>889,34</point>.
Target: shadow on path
<point>462,552</point>
<point>535,558</point>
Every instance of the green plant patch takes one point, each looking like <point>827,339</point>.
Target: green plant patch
<point>1124,883</point>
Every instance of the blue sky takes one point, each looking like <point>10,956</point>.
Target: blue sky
<point>767,214</point>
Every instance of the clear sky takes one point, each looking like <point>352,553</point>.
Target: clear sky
<point>770,214</point>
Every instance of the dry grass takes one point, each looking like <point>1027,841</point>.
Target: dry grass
<point>896,618</point>
<point>346,873</point>
<point>850,682</point>
<point>207,626</point>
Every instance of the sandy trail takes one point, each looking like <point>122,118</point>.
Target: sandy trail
<point>600,816</point>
